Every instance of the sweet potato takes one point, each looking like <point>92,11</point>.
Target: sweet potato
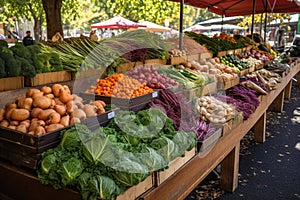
<point>42,102</point>
<point>65,120</point>
<point>20,114</point>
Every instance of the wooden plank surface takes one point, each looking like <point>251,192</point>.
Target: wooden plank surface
<point>260,129</point>
<point>287,90</point>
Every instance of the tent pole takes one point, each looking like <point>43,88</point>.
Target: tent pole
<point>266,20</point>
<point>222,22</point>
<point>253,13</point>
<point>181,24</point>
<point>261,22</point>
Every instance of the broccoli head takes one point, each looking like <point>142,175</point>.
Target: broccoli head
<point>12,66</point>
<point>6,50</point>
<point>33,49</point>
<point>21,51</point>
<point>27,69</point>
<point>2,68</point>
<point>55,61</point>
<point>41,62</point>
<point>3,43</point>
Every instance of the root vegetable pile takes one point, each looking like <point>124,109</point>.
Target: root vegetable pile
<point>47,109</point>
<point>152,78</point>
<point>120,85</point>
<point>215,111</point>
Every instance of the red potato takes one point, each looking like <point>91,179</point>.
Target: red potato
<point>20,114</point>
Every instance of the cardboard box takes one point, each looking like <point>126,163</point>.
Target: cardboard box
<point>11,83</point>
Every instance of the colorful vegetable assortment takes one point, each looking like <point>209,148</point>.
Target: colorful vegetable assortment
<point>212,110</point>
<point>120,85</point>
<point>105,162</point>
<point>47,109</point>
<point>234,62</point>
<point>153,79</point>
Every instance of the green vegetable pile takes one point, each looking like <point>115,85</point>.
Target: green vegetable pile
<point>82,53</point>
<point>185,77</point>
<point>102,163</point>
<point>26,61</point>
<point>234,62</point>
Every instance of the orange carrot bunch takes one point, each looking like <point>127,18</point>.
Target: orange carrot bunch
<point>119,85</point>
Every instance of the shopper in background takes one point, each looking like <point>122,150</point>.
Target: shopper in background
<point>28,40</point>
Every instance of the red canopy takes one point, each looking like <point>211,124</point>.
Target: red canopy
<point>116,23</point>
<point>244,7</point>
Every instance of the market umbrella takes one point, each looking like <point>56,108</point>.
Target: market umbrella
<point>150,26</point>
<point>117,22</point>
<point>197,27</point>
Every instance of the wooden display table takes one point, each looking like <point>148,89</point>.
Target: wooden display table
<point>20,184</point>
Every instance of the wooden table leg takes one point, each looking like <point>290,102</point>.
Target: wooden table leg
<point>298,79</point>
<point>230,169</point>
<point>277,105</point>
<point>260,129</point>
<point>287,90</point>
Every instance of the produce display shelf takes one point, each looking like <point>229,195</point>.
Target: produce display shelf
<point>46,78</point>
<point>122,102</point>
<point>11,83</point>
<point>208,143</point>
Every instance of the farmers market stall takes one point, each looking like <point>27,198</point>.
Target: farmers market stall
<point>185,116</point>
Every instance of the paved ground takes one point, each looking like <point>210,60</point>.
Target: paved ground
<point>268,171</point>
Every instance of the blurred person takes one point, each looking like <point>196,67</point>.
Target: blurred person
<point>28,40</point>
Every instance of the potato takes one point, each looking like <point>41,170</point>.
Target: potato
<point>22,128</point>
<point>44,114</point>
<point>2,114</point>
<point>31,91</point>
<point>56,89</point>
<point>20,114</point>
<point>74,120</point>
<point>39,130</point>
<point>26,123</point>
<point>14,123</point>
<point>53,127</point>
<point>65,96</point>
<point>37,94</point>
<point>12,127</point>
<point>35,112</point>
<point>4,123</point>
<point>42,102</point>
<point>10,106</point>
<point>54,118</point>
<point>34,125</point>
<point>25,103</point>
<point>51,96</point>
<point>65,120</point>
<point>89,110</point>
<point>58,102</point>
<point>79,113</point>
<point>60,109</point>
<point>46,90</point>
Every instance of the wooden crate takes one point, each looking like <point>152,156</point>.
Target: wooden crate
<point>238,51</point>
<point>46,78</point>
<point>224,85</point>
<point>190,94</point>
<point>233,123</point>
<point>251,69</point>
<point>135,191</point>
<point>125,67</point>
<point>230,51</point>
<point>205,55</point>
<point>11,83</point>
<point>174,165</point>
<point>222,53</point>
<point>193,57</point>
<point>88,73</point>
<point>209,142</point>
<point>177,60</point>
<point>243,72</point>
<point>156,61</point>
<point>210,88</point>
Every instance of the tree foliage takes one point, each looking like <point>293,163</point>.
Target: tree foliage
<point>258,18</point>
